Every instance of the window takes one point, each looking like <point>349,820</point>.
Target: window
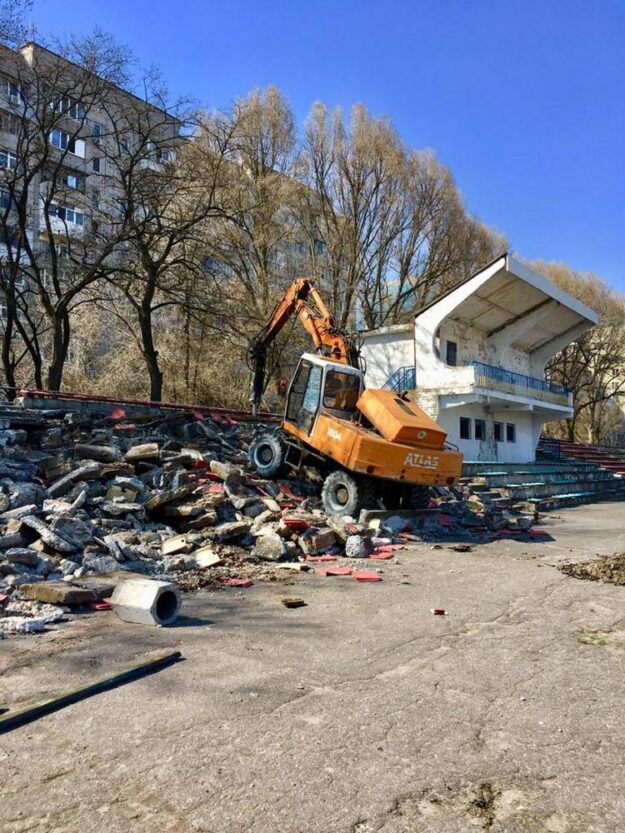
<point>341,390</point>
<point>66,104</point>
<point>61,251</point>
<point>510,432</point>
<point>11,90</point>
<point>59,138</point>
<point>62,140</point>
<point>8,159</point>
<point>313,389</point>
<point>96,130</point>
<point>123,145</point>
<point>480,429</point>
<point>499,432</point>
<point>452,353</point>
<point>9,236</point>
<point>465,428</point>
<point>303,387</point>
<point>122,208</point>
<point>76,181</point>
<point>9,123</point>
<point>69,214</point>
<point>6,199</point>
<point>95,165</point>
<point>168,156</point>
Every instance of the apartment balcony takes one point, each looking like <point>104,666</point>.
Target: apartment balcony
<point>148,164</point>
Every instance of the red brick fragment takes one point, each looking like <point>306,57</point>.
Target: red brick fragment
<point>366,575</point>
<point>334,571</point>
<point>296,524</point>
<point>102,605</point>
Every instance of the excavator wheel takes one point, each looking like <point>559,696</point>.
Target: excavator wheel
<point>344,493</point>
<point>267,453</point>
<point>419,497</point>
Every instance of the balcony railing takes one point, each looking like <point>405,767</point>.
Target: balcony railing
<point>507,381</point>
<point>402,379</point>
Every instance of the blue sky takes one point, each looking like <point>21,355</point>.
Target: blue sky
<point>525,101</point>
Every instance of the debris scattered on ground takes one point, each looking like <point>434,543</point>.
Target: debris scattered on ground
<point>95,497</point>
<point>609,569</point>
<point>293,602</point>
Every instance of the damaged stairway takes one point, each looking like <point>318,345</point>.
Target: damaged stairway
<point>544,485</point>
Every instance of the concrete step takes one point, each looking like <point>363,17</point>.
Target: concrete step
<point>512,480</point>
<point>539,490</point>
<point>562,501</point>
<point>472,469</point>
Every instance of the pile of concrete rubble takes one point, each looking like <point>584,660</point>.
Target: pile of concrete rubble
<point>87,494</point>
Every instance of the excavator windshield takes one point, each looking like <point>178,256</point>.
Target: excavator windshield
<point>324,386</point>
<point>341,391</point>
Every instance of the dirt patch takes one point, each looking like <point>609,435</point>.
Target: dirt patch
<point>610,569</point>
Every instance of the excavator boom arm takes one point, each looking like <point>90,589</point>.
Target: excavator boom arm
<point>303,300</point>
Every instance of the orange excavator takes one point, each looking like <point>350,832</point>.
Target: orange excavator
<point>373,447</point>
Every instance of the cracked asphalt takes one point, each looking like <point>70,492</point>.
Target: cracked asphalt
<point>360,712</point>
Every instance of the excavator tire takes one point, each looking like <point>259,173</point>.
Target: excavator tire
<point>267,453</point>
<point>344,493</point>
<point>419,497</point>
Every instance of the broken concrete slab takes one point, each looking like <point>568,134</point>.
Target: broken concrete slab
<point>23,555</point>
<point>58,593</point>
<point>173,546</point>
<point>51,538</point>
<point>206,557</point>
<point>269,546</point>
<point>90,471</point>
<point>169,496</point>
<point>234,529</point>
<point>100,453</point>
<point>143,451</point>
<point>357,547</point>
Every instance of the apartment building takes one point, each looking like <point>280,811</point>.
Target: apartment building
<point>69,141</point>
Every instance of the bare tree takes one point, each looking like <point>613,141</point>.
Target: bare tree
<point>59,237</point>
<point>13,25</point>
<point>257,246</point>
<point>390,220</point>
<point>593,366</point>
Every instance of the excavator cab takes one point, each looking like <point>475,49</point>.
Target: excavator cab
<point>322,386</point>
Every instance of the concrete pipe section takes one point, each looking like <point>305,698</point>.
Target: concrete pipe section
<point>147,602</point>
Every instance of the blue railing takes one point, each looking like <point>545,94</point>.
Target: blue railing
<point>487,375</point>
<point>403,379</point>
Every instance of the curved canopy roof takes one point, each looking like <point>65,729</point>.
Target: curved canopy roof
<point>506,293</point>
